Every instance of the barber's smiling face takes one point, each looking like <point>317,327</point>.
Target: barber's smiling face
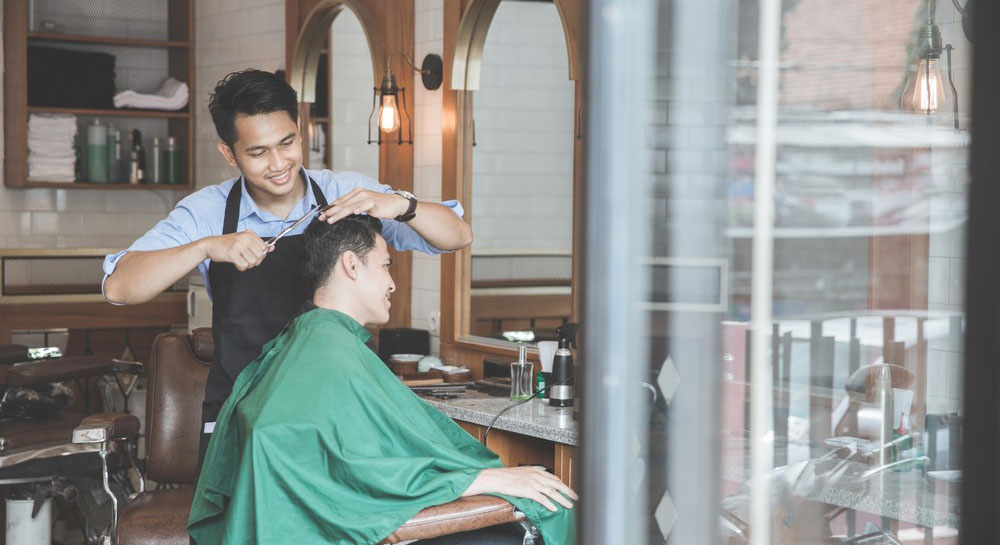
<point>377,283</point>
<point>268,151</point>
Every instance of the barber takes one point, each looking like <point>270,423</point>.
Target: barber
<point>221,229</point>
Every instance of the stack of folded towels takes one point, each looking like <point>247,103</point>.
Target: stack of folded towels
<point>172,95</point>
<point>51,153</point>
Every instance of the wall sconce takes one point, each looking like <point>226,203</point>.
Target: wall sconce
<point>388,98</point>
<point>928,89</point>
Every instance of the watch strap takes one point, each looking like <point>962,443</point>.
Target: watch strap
<point>411,211</point>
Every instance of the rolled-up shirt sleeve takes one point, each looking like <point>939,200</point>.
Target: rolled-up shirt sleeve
<point>178,228</point>
<point>400,235</point>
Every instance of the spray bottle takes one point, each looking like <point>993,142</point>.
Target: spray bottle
<point>561,389</point>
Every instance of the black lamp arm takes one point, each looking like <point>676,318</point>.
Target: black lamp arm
<point>408,61</point>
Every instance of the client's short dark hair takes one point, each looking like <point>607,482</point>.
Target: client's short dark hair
<point>325,243</point>
<point>249,92</point>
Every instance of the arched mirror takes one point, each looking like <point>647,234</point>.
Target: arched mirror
<point>522,177</point>
<point>335,66</point>
<point>339,140</point>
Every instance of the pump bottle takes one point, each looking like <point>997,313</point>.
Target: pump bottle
<point>561,389</point>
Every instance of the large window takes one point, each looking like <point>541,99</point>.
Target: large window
<point>804,258</point>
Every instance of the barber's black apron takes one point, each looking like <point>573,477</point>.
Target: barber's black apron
<point>249,308</point>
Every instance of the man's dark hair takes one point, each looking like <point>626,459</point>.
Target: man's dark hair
<point>250,92</point>
<point>325,243</point>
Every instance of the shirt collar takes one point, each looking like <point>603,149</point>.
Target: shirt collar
<point>249,207</point>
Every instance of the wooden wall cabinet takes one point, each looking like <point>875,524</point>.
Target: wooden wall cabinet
<point>179,49</point>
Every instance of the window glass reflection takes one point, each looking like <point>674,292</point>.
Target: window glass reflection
<point>865,347</point>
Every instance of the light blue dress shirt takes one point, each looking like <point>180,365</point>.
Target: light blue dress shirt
<point>201,214</point>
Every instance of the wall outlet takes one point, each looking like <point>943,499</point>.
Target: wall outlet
<point>434,322</point>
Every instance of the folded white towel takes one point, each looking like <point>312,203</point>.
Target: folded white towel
<point>172,95</point>
<point>51,149</point>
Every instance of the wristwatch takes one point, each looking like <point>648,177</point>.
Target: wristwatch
<point>411,211</point>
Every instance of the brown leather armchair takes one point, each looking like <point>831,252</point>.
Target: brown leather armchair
<point>176,375</point>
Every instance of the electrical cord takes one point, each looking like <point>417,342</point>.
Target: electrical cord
<point>522,402</point>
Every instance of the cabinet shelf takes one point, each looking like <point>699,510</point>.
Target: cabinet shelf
<point>106,40</point>
<point>120,112</point>
<point>94,185</point>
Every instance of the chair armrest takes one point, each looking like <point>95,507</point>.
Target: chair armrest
<point>103,427</point>
<point>13,353</point>
<point>461,515</point>
<point>58,369</point>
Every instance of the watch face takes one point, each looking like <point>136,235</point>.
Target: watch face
<point>406,194</point>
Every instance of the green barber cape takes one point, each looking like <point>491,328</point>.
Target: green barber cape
<point>320,443</point>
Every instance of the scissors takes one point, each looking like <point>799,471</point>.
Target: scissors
<point>312,213</point>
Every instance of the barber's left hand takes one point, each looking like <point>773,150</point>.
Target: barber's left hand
<point>363,201</point>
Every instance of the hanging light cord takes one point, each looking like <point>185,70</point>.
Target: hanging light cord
<point>522,402</point>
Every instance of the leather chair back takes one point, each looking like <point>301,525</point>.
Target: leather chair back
<point>175,389</point>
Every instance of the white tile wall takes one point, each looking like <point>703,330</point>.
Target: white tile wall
<point>428,38</point>
<point>230,35</point>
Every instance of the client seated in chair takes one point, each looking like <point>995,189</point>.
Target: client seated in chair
<point>320,443</point>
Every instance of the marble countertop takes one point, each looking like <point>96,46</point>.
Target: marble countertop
<point>535,418</point>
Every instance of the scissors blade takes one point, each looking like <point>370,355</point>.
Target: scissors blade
<point>312,213</point>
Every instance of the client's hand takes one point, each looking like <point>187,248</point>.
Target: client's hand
<point>530,482</point>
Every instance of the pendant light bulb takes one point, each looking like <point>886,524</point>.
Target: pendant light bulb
<point>928,90</point>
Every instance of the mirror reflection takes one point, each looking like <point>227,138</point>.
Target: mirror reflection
<point>339,120</point>
<point>522,172</point>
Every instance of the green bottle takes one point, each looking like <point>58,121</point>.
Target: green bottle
<point>97,153</point>
<point>171,162</point>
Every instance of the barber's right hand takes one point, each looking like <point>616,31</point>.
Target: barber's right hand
<point>245,250</point>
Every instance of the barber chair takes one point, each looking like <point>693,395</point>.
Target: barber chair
<point>176,375</point>
<point>38,454</point>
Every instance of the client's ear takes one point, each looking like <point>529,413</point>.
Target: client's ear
<point>350,262</point>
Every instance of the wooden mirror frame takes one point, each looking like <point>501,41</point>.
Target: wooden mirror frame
<point>466,23</point>
<point>388,26</point>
